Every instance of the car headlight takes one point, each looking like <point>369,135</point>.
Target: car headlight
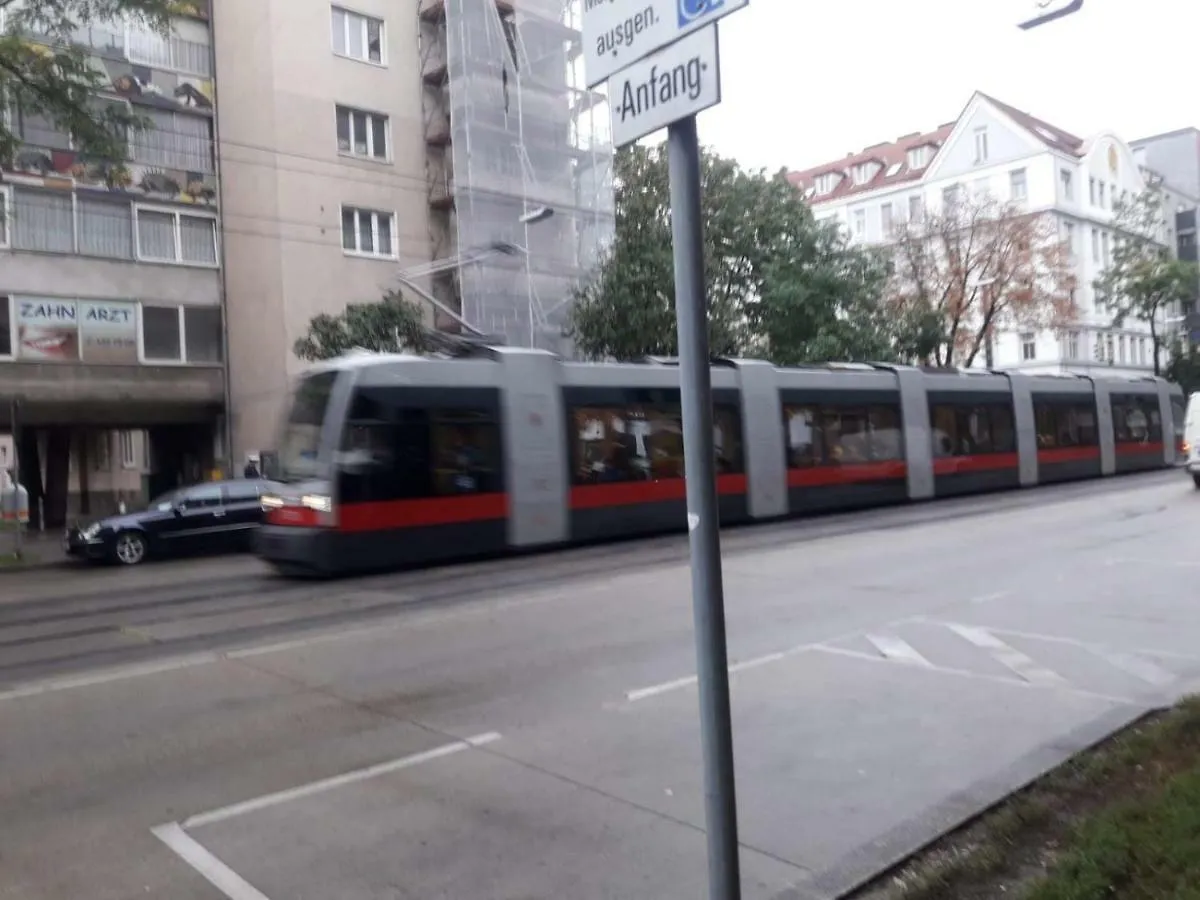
<point>90,532</point>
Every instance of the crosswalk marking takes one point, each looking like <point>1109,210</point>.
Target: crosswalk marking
<point>1012,658</point>
<point>1136,666</point>
<point>901,651</point>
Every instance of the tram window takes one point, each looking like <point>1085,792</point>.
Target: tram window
<point>1136,420</point>
<point>727,434</point>
<point>466,453</point>
<point>1062,424</point>
<point>969,430</point>
<point>629,443</point>
<point>833,435</point>
<point>1177,416</point>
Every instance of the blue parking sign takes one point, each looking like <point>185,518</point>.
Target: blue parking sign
<point>692,10</point>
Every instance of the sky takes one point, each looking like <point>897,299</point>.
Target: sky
<point>807,82</point>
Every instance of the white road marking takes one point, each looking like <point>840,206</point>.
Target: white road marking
<point>1139,668</point>
<point>1008,656</point>
<point>655,689</point>
<point>107,676</point>
<point>219,875</point>
<point>336,781</point>
<point>988,598</point>
<point>896,649</point>
<point>979,676</point>
<point>1091,645</point>
<point>1141,561</point>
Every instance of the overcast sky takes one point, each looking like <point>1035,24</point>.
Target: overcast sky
<point>806,81</point>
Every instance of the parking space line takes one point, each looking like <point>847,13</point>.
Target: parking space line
<point>336,781</point>
<point>896,649</point>
<point>219,875</point>
<point>1142,669</point>
<point>1011,657</point>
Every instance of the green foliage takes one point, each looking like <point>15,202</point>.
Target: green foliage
<point>42,72</point>
<point>1184,367</point>
<point>388,326</point>
<point>778,283</point>
<point>1145,280</point>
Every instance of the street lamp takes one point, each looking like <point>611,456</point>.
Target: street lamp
<point>1049,10</point>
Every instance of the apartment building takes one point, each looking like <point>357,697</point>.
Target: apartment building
<point>365,140</point>
<point>111,332</point>
<point>994,149</point>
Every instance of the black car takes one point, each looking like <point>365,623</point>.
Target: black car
<point>214,517</point>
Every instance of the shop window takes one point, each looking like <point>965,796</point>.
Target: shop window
<point>202,334</point>
<point>161,338</point>
<point>972,429</point>
<point>821,435</point>
<point>1065,424</point>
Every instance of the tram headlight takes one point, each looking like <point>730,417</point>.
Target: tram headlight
<point>319,502</point>
<point>270,501</point>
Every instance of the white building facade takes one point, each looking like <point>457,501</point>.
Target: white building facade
<point>994,149</point>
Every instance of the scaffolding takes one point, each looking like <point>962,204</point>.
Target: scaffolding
<point>510,128</point>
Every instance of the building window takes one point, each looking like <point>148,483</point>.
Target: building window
<point>917,157</point>
<point>128,450</point>
<point>1100,193</point>
<point>1143,356</point>
<point>43,221</point>
<point>981,145</point>
<point>1106,251</point>
<point>162,340</point>
<point>950,199</point>
<point>5,204</point>
<point>1068,184</point>
<point>886,219</point>
<point>916,208</point>
<point>1108,349</point>
<point>167,235</point>
<point>825,183</point>
<point>202,334</point>
<point>40,131</point>
<point>362,133</point>
<point>174,141</point>
<point>1018,184</point>
<point>860,223</point>
<point>1095,245</point>
<point>357,36</point>
<point>6,328</point>
<point>105,227</point>
<point>1028,347</point>
<point>1069,239</point>
<point>368,232</point>
<point>1073,345</point>
<point>1092,191</point>
<point>863,173</point>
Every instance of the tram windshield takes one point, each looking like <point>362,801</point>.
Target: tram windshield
<point>300,445</point>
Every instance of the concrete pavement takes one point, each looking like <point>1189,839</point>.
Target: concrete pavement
<point>530,731</point>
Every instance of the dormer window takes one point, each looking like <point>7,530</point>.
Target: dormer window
<point>826,183</point>
<point>863,172</point>
<point>918,157</point>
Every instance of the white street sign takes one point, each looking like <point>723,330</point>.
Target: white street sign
<point>617,33</point>
<point>678,81</point>
<point>1043,11</point>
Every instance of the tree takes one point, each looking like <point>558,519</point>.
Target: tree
<point>978,266</point>
<point>1184,366</point>
<point>777,282</point>
<point>388,326</point>
<point>43,72</point>
<point>1145,280</point>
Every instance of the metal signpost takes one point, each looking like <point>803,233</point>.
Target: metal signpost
<point>661,60</point>
<point>1049,10</point>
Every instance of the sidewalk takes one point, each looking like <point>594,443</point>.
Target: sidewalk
<point>39,550</point>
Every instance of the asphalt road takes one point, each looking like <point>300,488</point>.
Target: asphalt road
<point>526,728</point>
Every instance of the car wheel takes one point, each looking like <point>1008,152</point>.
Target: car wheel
<point>130,548</point>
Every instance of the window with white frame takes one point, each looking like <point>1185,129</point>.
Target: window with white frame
<point>1068,184</point>
<point>128,443</point>
<point>950,198</point>
<point>917,157</point>
<point>43,221</point>
<point>916,208</point>
<point>860,223</point>
<point>1073,345</point>
<point>1092,191</point>
<point>1095,245</point>
<point>173,236</point>
<point>357,36</point>
<point>104,227</point>
<point>181,334</point>
<point>981,145</point>
<point>368,232</point>
<point>174,141</point>
<point>826,183</point>
<point>1028,346</point>
<point>1105,248</point>
<point>5,203</point>
<point>1018,184</point>
<point>1069,239</point>
<point>361,133</point>
<point>863,172</point>
<point>1101,193</point>
<point>887,219</point>
<point>6,328</point>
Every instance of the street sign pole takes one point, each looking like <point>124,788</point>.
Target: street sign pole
<point>708,602</point>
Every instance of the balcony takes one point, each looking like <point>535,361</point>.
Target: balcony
<point>437,129</point>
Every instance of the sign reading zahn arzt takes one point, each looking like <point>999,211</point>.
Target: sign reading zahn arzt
<point>678,81</point>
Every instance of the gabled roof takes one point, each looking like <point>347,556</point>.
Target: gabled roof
<point>894,156</point>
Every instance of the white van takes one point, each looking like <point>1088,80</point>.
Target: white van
<point>1191,436</point>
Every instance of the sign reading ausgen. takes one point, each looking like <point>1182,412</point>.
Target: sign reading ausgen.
<point>674,83</point>
<point>618,33</point>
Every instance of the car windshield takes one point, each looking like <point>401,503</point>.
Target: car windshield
<point>166,501</point>
<point>300,445</point>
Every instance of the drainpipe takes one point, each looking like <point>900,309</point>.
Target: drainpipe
<point>223,283</point>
